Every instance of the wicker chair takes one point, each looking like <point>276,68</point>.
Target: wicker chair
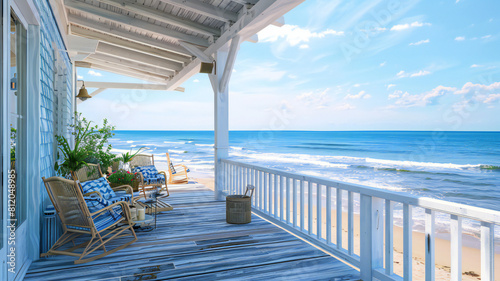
<point>177,173</point>
<point>152,179</point>
<point>77,220</point>
<point>93,172</point>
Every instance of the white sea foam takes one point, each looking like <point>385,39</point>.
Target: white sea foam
<point>420,164</point>
<point>176,151</point>
<point>206,145</point>
<point>175,142</point>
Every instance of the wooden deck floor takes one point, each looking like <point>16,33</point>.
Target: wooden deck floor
<point>194,242</point>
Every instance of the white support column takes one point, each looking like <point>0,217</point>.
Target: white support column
<point>224,67</point>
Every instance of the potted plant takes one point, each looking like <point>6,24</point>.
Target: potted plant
<point>122,177</point>
<point>127,157</point>
<point>72,158</point>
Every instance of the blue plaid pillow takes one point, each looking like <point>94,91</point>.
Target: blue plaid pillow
<point>150,174</point>
<point>172,169</point>
<point>101,185</point>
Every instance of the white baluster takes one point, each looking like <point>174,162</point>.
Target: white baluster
<point>407,242</point>
<point>456,247</point>
<point>487,252</point>
<point>430,263</point>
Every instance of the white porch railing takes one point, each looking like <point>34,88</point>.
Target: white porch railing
<point>296,203</point>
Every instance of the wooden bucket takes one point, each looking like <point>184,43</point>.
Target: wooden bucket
<point>239,207</point>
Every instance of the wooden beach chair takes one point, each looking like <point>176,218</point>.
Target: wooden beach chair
<point>149,176</point>
<point>177,173</point>
<point>80,216</point>
<point>91,179</point>
<point>151,180</point>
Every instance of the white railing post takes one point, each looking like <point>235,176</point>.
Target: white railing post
<point>389,237</point>
<point>456,247</point>
<point>339,218</point>
<point>487,252</point>
<point>372,235</point>
<point>430,264</point>
<point>407,242</point>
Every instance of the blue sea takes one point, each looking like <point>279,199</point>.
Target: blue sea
<point>462,167</point>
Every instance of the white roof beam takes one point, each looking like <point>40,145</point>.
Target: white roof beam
<point>134,23</point>
<point>116,62</point>
<point>135,37</point>
<point>123,53</point>
<point>245,2</point>
<point>258,17</point>
<point>204,9</point>
<point>196,52</point>
<point>125,71</point>
<point>127,86</point>
<point>116,41</point>
<point>143,10</point>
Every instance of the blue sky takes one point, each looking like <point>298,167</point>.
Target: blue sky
<point>341,65</point>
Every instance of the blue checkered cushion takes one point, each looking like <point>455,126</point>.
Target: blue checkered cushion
<point>101,220</point>
<point>172,169</point>
<point>150,174</point>
<point>101,185</point>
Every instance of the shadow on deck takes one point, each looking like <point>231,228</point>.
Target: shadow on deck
<point>194,242</point>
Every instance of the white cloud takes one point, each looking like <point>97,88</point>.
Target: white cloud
<point>94,73</point>
<point>491,98</point>
<point>304,46</point>
<point>344,106</point>
<point>405,26</point>
<point>460,38</point>
<point>408,100</point>
<point>79,77</point>
<point>383,64</point>
<point>293,34</point>
<point>479,90</point>
<point>317,99</point>
<point>403,74</point>
<point>476,66</point>
<point>420,42</point>
<point>390,86</point>
<point>196,81</point>
<point>486,94</point>
<point>486,37</point>
<point>357,96</point>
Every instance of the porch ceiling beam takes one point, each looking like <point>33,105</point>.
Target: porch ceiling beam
<point>135,37</point>
<point>196,52</point>
<point>117,41</point>
<point>125,71</point>
<point>127,54</point>
<point>127,86</point>
<point>117,62</point>
<point>163,17</point>
<point>134,23</point>
<point>245,2</point>
<point>262,14</point>
<point>204,9</point>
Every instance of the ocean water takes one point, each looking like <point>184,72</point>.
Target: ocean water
<point>462,167</point>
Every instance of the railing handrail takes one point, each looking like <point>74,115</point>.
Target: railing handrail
<point>462,210</point>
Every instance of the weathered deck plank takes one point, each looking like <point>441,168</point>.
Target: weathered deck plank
<point>194,242</point>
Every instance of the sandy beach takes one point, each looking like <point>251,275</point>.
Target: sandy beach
<point>471,259</point>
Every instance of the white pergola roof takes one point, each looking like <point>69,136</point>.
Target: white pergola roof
<point>161,41</point>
